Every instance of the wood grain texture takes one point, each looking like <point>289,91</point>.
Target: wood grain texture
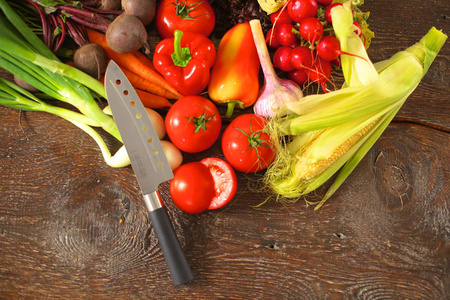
<point>73,228</point>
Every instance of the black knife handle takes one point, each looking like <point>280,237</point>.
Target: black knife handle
<point>170,246</point>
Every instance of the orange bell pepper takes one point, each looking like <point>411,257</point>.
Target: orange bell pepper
<point>235,74</point>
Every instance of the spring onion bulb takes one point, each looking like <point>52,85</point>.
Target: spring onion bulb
<point>323,134</point>
<point>275,91</point>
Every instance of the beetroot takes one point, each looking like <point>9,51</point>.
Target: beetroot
<point>144,10</point>
<point>91,59</point>
<point>110,5</point>
<point>127,34</point>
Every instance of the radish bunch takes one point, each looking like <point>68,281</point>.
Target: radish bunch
<point>304,42</point>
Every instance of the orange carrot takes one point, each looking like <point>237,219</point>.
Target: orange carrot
<point>148,99</point>
<point>131,62</point>
<point>148,86</point>
<point>152,101</point>
<point>144,59</point>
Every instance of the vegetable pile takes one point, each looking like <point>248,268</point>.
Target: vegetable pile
<point>268,54</point>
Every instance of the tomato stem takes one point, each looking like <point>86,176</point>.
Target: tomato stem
<point>184,10</point>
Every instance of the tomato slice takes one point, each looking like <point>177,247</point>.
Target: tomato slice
<point>225,181</point>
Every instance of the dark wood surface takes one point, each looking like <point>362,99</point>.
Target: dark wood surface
<point>385,234</point>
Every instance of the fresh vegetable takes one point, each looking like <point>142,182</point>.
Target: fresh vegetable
<point>193,124</point>
<point>185,61</point>
<point>299,10</point>
<point>157,122</point>
<point>282,59</point>
<point>192,187</point>
<point>134,64</point>
<point>235,75</point>
<point>91,59</point>
<point>225,181</point>
<point>127,34</point>
<point>246,147</point>
<point>144,10</point>
<point>311,29</point>
<point>325,133</point>
<point>26,56</point>
<point>151,100</point>
<point>271,6</point>
<point>54,19</point>
<point>139,82</point>
<point>173,154</point>
<point>195,16</point>
<point>275,91</point>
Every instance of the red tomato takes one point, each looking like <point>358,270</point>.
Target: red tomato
<point>245,146</point>
<point>185,15</point>
<point>225,181</point>
<point>192,187</point>
<point>193,124</point>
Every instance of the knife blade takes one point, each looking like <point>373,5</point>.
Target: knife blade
<point>149,164</point>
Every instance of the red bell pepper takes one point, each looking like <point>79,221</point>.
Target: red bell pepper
<point>235,75</point>
<point>185,61</point>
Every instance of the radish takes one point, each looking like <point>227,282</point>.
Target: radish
<point>301,57</point>
<point>311,29</point>
<point>328,12</point>
<point>282,59</point>
<point>329,48</point>
<point>319,72</point>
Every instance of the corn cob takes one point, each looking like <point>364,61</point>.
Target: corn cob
<point>334,131</point>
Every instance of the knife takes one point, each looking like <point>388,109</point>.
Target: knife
<point>149,164</point>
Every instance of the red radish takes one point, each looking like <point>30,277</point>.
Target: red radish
<point>301,57</point>
<point>281,16</point>
<point>320,72</point>
<point>329,48</point>
<point>302,9</point>
<point>311,29</point>
<point>285,34</point>
<point>272,40</point>
<point>298,76</point>
<point>328,12</point>
<point>324,2</point>
<point>282,60</point>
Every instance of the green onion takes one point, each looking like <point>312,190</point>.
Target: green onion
<point>23,54</point>
<point>323,134</point>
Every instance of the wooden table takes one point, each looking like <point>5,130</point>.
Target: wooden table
<point>385,234</point>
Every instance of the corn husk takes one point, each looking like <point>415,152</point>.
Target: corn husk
<point>327,133</point>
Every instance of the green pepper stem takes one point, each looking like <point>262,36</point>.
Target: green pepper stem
<point>180,56</point>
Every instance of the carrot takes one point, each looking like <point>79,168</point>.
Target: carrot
<point>148,99</point>
<point>131,62</point>
<point>148,86</point>
<point>144,59</point>
<point>152,101</point>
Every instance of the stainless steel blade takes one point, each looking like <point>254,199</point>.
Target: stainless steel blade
<point>149,164</point>
<point>138,134</point>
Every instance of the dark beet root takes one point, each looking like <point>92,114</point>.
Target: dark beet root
<point>110,4</point>
<point>127,34</point>
<point>91,59</point>
<point>144,10</point>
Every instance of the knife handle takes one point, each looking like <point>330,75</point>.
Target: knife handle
<point>173,253</point>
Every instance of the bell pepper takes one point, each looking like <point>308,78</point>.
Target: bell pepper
<point>235,75</point>
<point>185,61</point>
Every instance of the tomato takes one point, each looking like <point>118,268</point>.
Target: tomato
<point>192,187</point>
<point>193,124</point>
<point>225,181</point>
<point>245,146</point>
<point>186,15</point>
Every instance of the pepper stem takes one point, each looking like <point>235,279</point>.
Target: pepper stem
<point>180,56</point>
